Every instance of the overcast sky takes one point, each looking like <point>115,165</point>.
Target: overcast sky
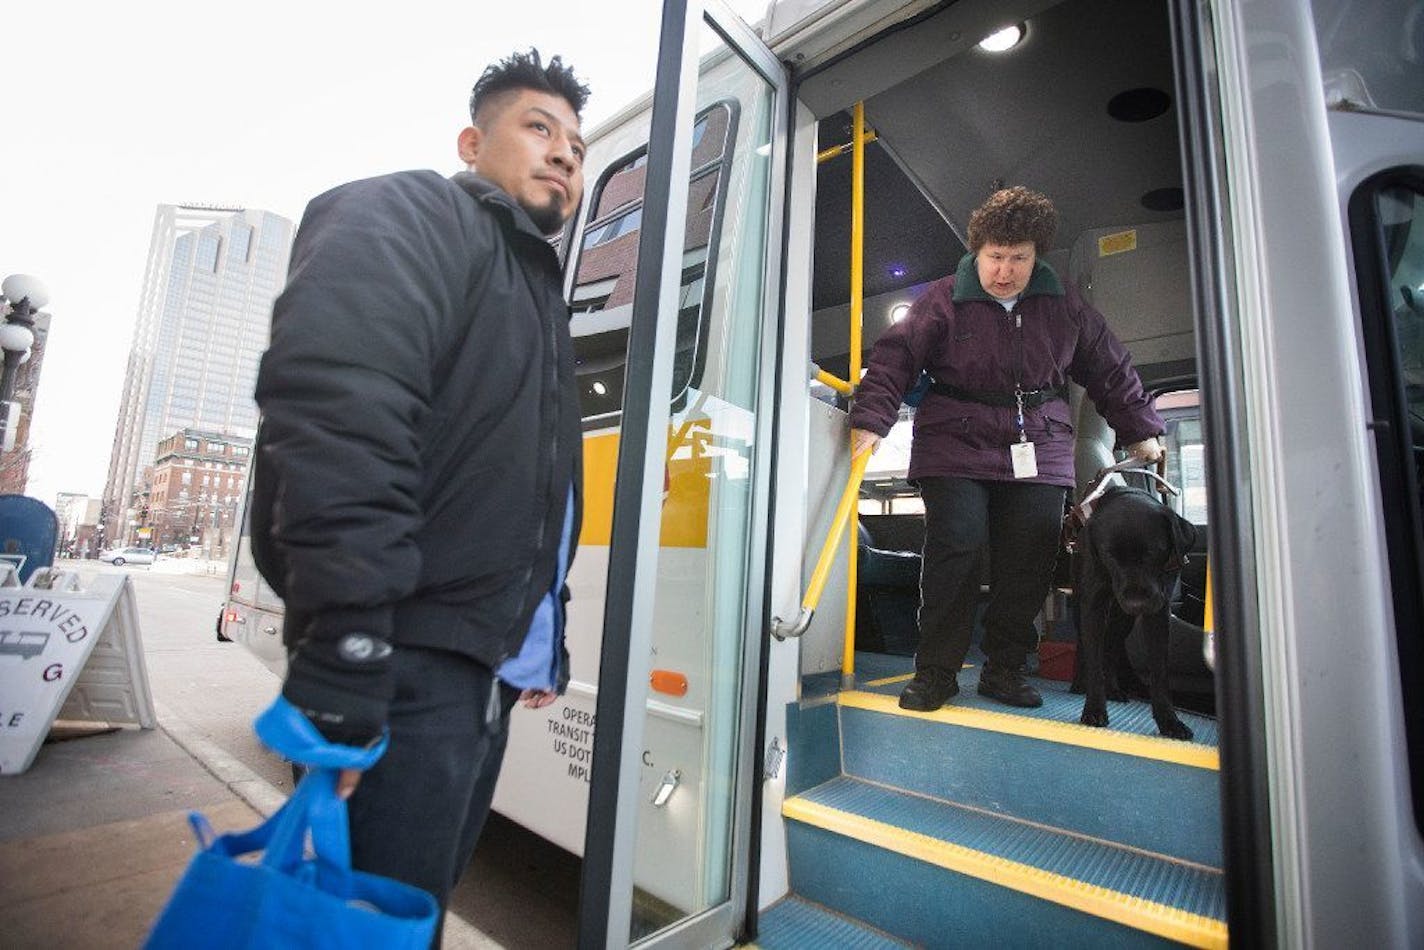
<point>112,109</point>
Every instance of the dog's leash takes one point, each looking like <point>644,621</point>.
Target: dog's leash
<point>1078,515</point>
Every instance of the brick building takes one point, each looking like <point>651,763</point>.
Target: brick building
<point>603,288</point>
<point>196,493</point>
<point>15,464</point>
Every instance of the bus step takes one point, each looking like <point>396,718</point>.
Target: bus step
<point>1133,788</point>
<point>874,853</point>
<point>794,923</point>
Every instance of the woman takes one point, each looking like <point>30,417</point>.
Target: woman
<point>993,440</point>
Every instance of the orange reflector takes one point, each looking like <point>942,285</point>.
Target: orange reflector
<point>236,586</point>
<point>232,617</point>
<point>668,681</point>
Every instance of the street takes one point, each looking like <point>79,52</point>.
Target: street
<point>519,890</point>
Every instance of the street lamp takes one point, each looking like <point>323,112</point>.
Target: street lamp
<point>26,295</point>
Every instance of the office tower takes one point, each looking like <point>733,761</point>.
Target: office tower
<point>203,318</point>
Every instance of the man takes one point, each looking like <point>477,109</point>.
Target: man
<point>416,497</point>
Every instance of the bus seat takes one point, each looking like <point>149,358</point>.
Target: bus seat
<point>1093,440</point>
<point>888,582</point>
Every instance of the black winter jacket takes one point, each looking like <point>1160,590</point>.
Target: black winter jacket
<point>420,422</point>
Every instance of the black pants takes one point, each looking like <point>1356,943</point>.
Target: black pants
<point>419,810</point>
<point>1021,522</point>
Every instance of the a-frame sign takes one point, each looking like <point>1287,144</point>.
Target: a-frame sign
<point>67,653</point>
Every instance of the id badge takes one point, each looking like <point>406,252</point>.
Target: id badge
<point>1024,459</point>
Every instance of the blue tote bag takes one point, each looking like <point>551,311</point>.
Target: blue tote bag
<point>295,889</point>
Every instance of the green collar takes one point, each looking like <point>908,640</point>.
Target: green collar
<point>967,286</point>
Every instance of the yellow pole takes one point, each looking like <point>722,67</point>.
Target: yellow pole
<point>845,511</point>
<point>1208,609</point>
<point>835,382</point>
<point>857,307</point>
<point>836,151</point>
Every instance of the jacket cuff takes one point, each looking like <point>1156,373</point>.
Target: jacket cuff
<point>871,425</point>
<point>1124,441</point>
<point>334,624</point>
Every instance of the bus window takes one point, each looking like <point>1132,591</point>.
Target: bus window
<point>246,585</point>
<point>1186,465</point>
<point>1387,220</point>
<point>885,490</point>
<point>245,580</point>
<point>1369,53</point>
<point>602,299</point>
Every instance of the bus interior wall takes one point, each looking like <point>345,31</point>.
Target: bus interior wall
<point>1082,110</point>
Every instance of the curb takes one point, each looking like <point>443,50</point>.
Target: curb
<point>246,784</point>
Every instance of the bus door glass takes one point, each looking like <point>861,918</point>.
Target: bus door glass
<point>687,384</point>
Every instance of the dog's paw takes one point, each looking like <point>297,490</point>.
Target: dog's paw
<point>1094,717</point>
<point>1174,729</point>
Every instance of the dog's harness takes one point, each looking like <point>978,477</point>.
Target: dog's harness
<point>1077,516</point>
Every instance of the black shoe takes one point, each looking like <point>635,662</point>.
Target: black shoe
<point>931,688</point>
<point>1008,687</point>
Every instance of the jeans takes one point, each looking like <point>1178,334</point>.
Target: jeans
<point>418,812</point>
<point>1021,522</point>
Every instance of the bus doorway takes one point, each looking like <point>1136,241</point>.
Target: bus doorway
<point>1076,102</point>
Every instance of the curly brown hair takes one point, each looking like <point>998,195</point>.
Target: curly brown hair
<point>1013,216</point>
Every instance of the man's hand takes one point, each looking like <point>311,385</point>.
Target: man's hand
<point>343,686</point>
<point>862,439</point>
<point>537,698</point>
<point>1148,450</point>
<point>346,783</point>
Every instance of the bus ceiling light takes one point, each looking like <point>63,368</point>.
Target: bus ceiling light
<point>897,312</point>
<point>599,389</point>
<point>1001,41</point>
<point>666,787</point>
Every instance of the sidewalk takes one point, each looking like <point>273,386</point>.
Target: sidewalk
<point>94,835</point>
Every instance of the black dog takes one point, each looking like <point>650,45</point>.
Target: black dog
<point>1130,554</point>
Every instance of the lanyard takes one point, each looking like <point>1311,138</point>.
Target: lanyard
<point>1018,371</point>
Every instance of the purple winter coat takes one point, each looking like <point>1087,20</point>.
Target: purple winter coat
<point>965,338</point>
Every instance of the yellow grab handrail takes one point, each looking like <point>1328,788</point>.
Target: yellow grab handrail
<point>849,498</point>
<point>836,151</point>
<point>831,380</point>
<point>844,510</point>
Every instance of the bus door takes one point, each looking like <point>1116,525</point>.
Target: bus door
<point>668,840</point>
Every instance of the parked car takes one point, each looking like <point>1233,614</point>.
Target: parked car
<point>118,556</point>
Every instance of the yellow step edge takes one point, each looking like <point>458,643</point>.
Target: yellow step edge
<point>1175,751</point>
<point>1171,923</point>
